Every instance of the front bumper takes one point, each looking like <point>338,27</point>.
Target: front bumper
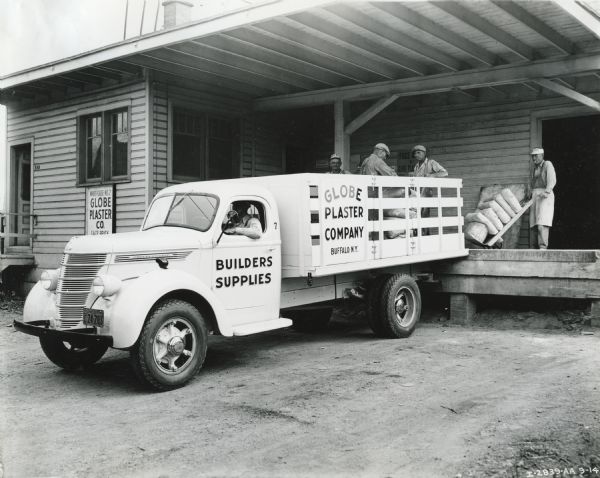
<point>78,337</point>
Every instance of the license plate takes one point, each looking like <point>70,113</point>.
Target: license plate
<point>93,317</point>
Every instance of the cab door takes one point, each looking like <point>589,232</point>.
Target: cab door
<point>247,272</point>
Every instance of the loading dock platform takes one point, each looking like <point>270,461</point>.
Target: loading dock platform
<point>520,272</point>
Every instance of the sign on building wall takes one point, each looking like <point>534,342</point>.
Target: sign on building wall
<point>99,210</point>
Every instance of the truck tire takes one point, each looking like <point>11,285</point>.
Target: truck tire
<point>373,303</point>
<point>172,346</point>
<point>400,306</point>
<point>310,320</point>
<point>71,356</point>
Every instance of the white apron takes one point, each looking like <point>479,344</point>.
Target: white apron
<point>542,209</point>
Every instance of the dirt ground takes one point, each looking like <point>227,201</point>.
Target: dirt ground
<point>517,394</point>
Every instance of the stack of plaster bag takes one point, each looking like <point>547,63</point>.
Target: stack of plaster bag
<point>491,216</point>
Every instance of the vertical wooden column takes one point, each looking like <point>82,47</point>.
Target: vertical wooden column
<point>595,313</point>
<point>341,140</point>
<point>462,308</point>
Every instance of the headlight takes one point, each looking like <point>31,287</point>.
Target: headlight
<point>49,279</point>
<point>106,285</point>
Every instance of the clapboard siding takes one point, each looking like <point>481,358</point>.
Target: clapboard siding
<point>262,146</point>
<point>57,201</point>
<point>259,155</point>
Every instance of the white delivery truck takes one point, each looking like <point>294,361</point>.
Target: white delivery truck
<point>161,291</point>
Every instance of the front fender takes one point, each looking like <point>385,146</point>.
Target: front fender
<point>39,305</point>
<point>128,309</point>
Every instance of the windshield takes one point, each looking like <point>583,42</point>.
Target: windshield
<point>195,211</point>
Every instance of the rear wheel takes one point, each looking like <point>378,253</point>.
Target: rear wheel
<point>310,320</point>
<point>373,303</point>
<point>400,307</point>
<point>172,346</point>
<point>70,355</point>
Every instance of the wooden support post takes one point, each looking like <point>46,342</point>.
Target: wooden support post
<point>595,313</point>
<point>341,144</point>
<point>462,308</point>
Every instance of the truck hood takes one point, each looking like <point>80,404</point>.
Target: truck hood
<point>155,239</point>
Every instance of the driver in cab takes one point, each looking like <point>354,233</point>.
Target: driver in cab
<point>239,222</point>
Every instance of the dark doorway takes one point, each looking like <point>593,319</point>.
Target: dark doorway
<point>573,146</point>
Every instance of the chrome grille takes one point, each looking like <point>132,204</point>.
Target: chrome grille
<point>151,256</point>
<point>77,273</point>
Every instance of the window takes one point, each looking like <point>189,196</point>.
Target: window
<point>104,147</point>
<point>248,209</point>
<point>193,211</point>
<point>204,147</point>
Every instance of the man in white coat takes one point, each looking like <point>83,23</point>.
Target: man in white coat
<point>541,214</point>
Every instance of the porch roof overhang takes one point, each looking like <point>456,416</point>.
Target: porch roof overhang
<point>288,54</point>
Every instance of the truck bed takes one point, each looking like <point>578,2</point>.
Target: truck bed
<point>332,224</point>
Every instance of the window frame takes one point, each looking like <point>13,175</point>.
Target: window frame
<point>205,116</point>
<point>173,196</point>
<point>106,165</point>
<point>254,199</point>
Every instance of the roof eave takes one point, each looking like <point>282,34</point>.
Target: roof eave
<point>144,43</point>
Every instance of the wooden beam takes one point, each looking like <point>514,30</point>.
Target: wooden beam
<point>535,24</point>
<point>304,36</point>
<point>219,69</point>
<point>203,79</point>
<point>522,286</point>
<point>472,96</point>
<point>344,72</point>
<point>377,28</point>
<point>589,21</point>
<point>499,75</point>
<point>347,37</point>
<point>269,56</point>
<point>471,18</point>
<point>341,144</point>
<point>250,65</point>
<point>414,19</point>
<point>369,113</point>
<point>569,93</point>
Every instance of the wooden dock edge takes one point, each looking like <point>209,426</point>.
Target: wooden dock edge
<point>525,273</point>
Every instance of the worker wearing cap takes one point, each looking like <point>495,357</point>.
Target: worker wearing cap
<point>239,222</point>
<point>335,165</point>
<point>541,214</point>
<point>375,165</point>
<point>426,167</point>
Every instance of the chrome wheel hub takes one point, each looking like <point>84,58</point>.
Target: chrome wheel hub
<point>404,305</point>
<point>174,346</point>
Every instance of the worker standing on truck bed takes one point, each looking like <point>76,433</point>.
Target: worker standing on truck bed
<point>427,168</point>
<point>543,181</point>
<point>375,165</point>
<point>239,222</point>
<point>335,165</point>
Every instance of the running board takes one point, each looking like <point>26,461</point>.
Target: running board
<point>256,327</point>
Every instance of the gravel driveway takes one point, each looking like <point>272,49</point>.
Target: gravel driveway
<point>448,401</point>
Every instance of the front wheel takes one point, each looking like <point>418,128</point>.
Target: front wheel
<point>70,355</point>
<point>400,307</point>
<point>172,346</point>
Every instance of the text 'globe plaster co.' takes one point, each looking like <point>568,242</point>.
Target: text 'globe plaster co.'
<point>99,211</point>
<point>343,221</point>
